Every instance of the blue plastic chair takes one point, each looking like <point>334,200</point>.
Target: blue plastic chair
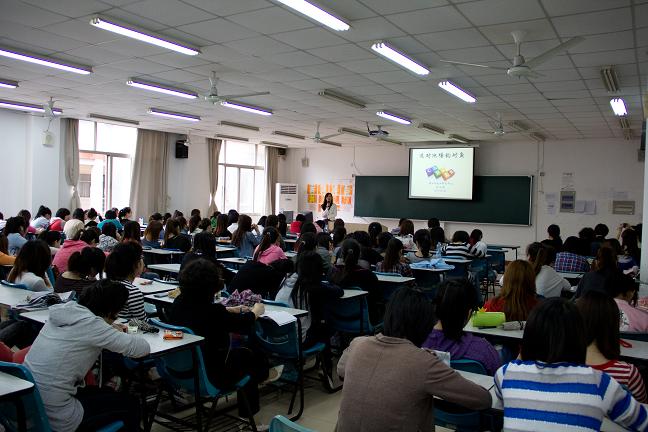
<point>634,336</point>
<point>428,281</point>
<point>497,259</point>
<point>177,371</point>
<point>389,288</point>
<point>282,424</point>
<point>349,315</point>
<point>282,344</point>
<point>14,285</point>
<point>455,417</point>
<point>460,269</point>
<point>33,406</point>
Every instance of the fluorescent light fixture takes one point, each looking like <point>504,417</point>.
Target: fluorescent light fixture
<point>332,143</point>
<point>273,144</point>
<point>537,137</point>
<point>389,140</point>
<point>519,125</point>
<point>624,123</point>
<point>289,135</point>
<point>458,138</point>
<point>386,51</point>
<point>239,125</point>
<point>337,97</point>
<point>5,83</point>
<point>455,90</point>
<point>22,106</point>
<point>394,117</point>
<point>430,128</point>
<point>160,88</point>
<point>173,114</point>
<point>113,119</point>
<point>618,106</point>
<point>247,108</point>
<point>314,12</point>
<point>231,138</point>
<point>44,61</point>
<point>610,79</point>
<point>353,132</point>
<point>142,35</point>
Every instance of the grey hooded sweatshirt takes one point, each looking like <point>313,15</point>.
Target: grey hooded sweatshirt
<point>65,350</point>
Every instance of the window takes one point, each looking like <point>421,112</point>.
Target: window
<point>241,178</point>
<point>106,153</point>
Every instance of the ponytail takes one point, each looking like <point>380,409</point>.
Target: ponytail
<point>424,242</point>
<point>350,256</point>
<point>270,236</point>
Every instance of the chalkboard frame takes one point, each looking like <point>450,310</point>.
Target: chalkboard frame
<point>523,216</point>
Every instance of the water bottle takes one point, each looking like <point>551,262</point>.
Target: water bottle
<point>437,254</point>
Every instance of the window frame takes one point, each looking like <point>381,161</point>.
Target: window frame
<point>256,167</point>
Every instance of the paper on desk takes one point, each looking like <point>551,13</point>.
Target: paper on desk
<point>280,317</point>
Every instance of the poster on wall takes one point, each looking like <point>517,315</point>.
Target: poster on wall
<point>342,191</point>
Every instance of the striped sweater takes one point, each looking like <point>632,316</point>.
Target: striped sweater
<point>565,397</point>
<point>134,307</point>
<point>625,374</point>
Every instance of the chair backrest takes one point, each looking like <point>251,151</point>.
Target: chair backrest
<point>14,285</point>
<point>282,424</point>
<point>177,367</point>
<point>467,365</point>
<point>344,315</point>
<point>480,267</point>
<point>282,341</point>
<point>34,412</point>
<point>459,271</point>
<point>497,259</point>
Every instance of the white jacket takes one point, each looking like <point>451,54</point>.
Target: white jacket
<point>65,350</point>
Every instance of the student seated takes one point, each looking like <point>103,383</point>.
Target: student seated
<point>53,240</point>
<point>437,235</point>
<point>553,240</point>
<point>283,226</point>
<point>547,281</point>
<point>586,237</point>
<point>339,235</point>
<point>132,232</point>
<point>625,292</point>
<point>269,250</point>
<point>324,249</point>
<point>571,258</point>
<point>374,230</point>
<point>57,223</point>
<point>68,346</point>
<point>111,217</point>
<point>15,230</point>
<point>204,225</point>
<point>383,241</point>
<point>221,227</point>
<point>204,247</point>
<point>232,220</point>
<point>625,262</point>
<point>458,247</point>
<point>455,303</point>
<point>406,234</point>
<point>42,219</point>
<point>350,274</point>
<point>108,238</point>
<point>566,395</point>
<point>390,383</point>
<point>82,271</point>
<point>193,224</point>
<point>173,239</point>
<point>151,237</point>
<point>368,256</point>
<point>433,223</point>
<point>604,269</point>
<point>423,245</point>
<point>195,308</point>
<point>78,239</point>
<point>30,267</point>
<point>261,279</point>
<point>125,215</point>
<point>518,295</point>
<point>5,258</point>
<point>244,239</point>
<point>273,221</point>
<point>477,246</point>
<point>396,231</point>
<point>394,261</point>
<point>26,215</point>
<point>295,226</point>
<point>123,265</point>
<point>304,290</point>
<point>307,229</point>
<point>600,233</point>
<point>601,318</point>
<point>91,216</point>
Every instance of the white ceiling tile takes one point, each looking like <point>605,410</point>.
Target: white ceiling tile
<point>594,22</point>
<point>95,55</point>
<point>80,30</point>
<point>488,12</point>
<point>47,41</point>
<point>561,7</point>
<point>347,10</point>
<point>170,12</point>
<point>176,76</point>
<point>283,75</point>
<point>132,48</point>
<point>409,45</point>
<point>346,81</point>
<point>70,8</point>
<point>309,84</point>
<point>464,38</point>
<point>342,53</point>
<point>369,65</point>
<point>372,29</point>
<point>271,20</point>
<point>259,45</point>
<point>474,55</point>
<point>605,42</point>
<point>389,7</point>
<point>252,65</point>
<point>138,21</point>
<point>294,59</point>
<point>184,37</point>
<point>316,37</point>
<point>137,65</point>
<point>178,61</point>
<point>218,53</point>
<point>560,86</point>
<point>324,70</point>
<point>392,77</point>
<point>512,89</point>
<point>604,58</point>
<point>427,20</point>
<point>229,7</point>
<point>16,11</point>
<point>218,30</point>
<point>535,30</point>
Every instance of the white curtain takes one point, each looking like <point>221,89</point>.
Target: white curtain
<point>213,150</point>
<point>72,159</point>
<point>148,192</point>
<point>272,175</point>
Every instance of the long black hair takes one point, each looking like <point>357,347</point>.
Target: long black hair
<point>324,204</point>
<point>270,237</point>
<point>392,254</point>
<point>423,242</point>
<point>244,226</point>
<point>350,257</point>
<point>374,230</point>
<point>35,257</point>
<point>409,315</point>
<point>455,298</point>
<point>309,276</point>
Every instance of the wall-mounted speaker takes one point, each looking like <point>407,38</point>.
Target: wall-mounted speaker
<point>281,152</point>
<point>181,150</point>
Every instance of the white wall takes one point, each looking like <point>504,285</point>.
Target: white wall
<point>30,172</point>
<point>188,179</point>
<point>599,166</point>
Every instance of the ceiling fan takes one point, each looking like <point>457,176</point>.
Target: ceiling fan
<point>498,128</point>
<point>317,138</point>
<point>214,98</point>
<point>520,67</point>
<point>49,112</point>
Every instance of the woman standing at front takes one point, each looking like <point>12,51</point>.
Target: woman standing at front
<point>329,209</point>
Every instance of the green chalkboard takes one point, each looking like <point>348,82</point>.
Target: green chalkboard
<point>496,199</point>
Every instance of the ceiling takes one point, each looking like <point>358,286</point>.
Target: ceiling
<point>260,45</point>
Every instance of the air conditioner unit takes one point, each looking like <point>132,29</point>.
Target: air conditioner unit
<point>286,198</point>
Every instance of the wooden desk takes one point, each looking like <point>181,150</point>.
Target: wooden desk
<point>169,268</point>
<point>154,287</point>
<point>511,247</point>
<point>571,275</point>
<point>394,278</point>
<point>348,293</point>
<point>10,297</point>
<point>238,262</point>
<point>224,249</point>
<point>163,251</point>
